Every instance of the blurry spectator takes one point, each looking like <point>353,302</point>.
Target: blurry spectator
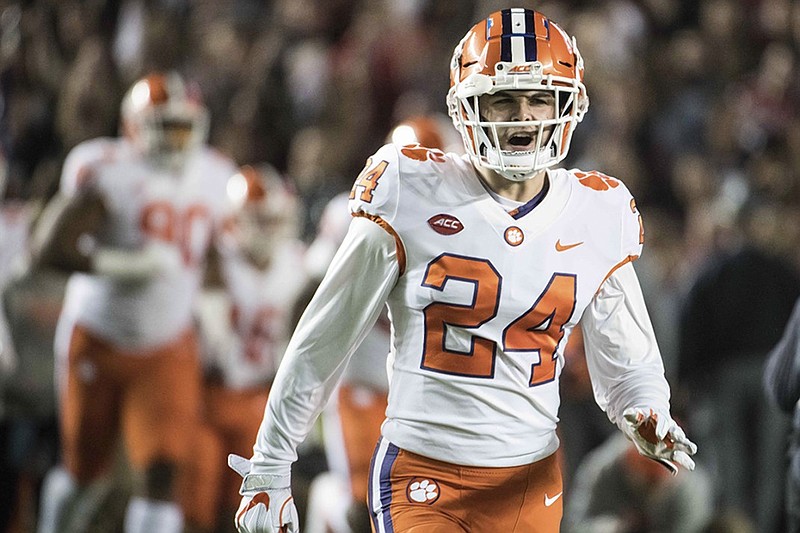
<point>782,385</point>
<point>616,490</point>
<point>732,317</point>
<point>88,106</point>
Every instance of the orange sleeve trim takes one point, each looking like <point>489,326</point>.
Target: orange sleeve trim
<point>398,242</point>
<point>629,259</point>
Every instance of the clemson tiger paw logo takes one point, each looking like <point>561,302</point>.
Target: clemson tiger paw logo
<point>422,490</point>
<point>596,180</point>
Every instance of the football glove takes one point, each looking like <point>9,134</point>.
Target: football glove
<point>267,505</point>
<point>657,436</point>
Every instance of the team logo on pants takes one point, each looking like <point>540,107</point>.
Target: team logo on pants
<point>422,490</point>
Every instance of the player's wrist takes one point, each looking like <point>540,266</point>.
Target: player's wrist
<point>134,265</point>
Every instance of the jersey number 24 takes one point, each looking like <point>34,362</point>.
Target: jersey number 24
<point>539,329</point>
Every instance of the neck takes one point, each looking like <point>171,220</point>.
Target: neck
<point>519,191</point>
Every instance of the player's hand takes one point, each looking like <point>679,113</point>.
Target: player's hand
<point>267,505</point>
<point>657,436</point>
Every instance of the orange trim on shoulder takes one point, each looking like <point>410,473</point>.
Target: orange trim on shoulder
<point>398,242</point>
<point>629,259</point>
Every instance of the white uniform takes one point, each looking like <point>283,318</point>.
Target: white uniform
<point>15,225</point>
<point>144,205</point>
<point>482,388</point>
<point>246,330</point>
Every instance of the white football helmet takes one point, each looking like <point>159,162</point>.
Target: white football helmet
<point>516,49</point>
<point>267,213</point>
<point>164,118</point>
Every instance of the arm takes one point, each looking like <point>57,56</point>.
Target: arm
<point>782,369</point>
<point>66,240</point>
<point>627,372</point>
<point>341,313</point>
<point>67,223</point>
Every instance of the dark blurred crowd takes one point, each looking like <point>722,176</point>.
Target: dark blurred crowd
<point>695,105</point>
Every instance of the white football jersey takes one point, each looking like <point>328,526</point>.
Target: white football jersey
<point>482,301</point>
<point>246,333</point>
<point>486,299</point>
<point>144,204</point>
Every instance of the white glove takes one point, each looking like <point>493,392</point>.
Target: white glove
<point>657,436</point>
<point>154,259</point>
<point>267,505</point>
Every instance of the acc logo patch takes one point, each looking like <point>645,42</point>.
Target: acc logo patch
<point>422,490</point>
<point>445,224</point>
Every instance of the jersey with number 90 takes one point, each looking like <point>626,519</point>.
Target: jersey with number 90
<point>144,204</point>
<point>486,299</point>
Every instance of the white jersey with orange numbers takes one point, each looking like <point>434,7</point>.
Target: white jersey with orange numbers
<point>258,306</point>
<point>482,301</point>
<point>488,298</point>
<point>144,204</point>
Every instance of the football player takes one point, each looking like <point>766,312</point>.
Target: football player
<point>133,222</point>
<point>486,262</point>
<point>244,320</point>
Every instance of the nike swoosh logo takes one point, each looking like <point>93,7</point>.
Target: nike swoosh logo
<point>564,247</point>
<point>550,501</point>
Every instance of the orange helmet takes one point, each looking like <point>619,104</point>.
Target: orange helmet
<point>266,212</point>
<point>516,49</point>
<point>431,131</point>
<point>164,118</point>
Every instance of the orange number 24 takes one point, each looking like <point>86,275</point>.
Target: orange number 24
<point>539,329</point>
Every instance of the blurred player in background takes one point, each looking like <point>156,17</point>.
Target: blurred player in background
<point>133,223</point>
<point>244,318</point>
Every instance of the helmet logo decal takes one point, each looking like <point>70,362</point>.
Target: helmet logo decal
<point>518,42</point>
<point>445,224</point>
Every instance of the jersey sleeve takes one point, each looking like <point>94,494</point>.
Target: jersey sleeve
<point>339,316</point>
<point>622,354</point>
<point>632,229</point>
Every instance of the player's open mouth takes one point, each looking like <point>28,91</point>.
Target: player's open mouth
<point>521,141</point>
